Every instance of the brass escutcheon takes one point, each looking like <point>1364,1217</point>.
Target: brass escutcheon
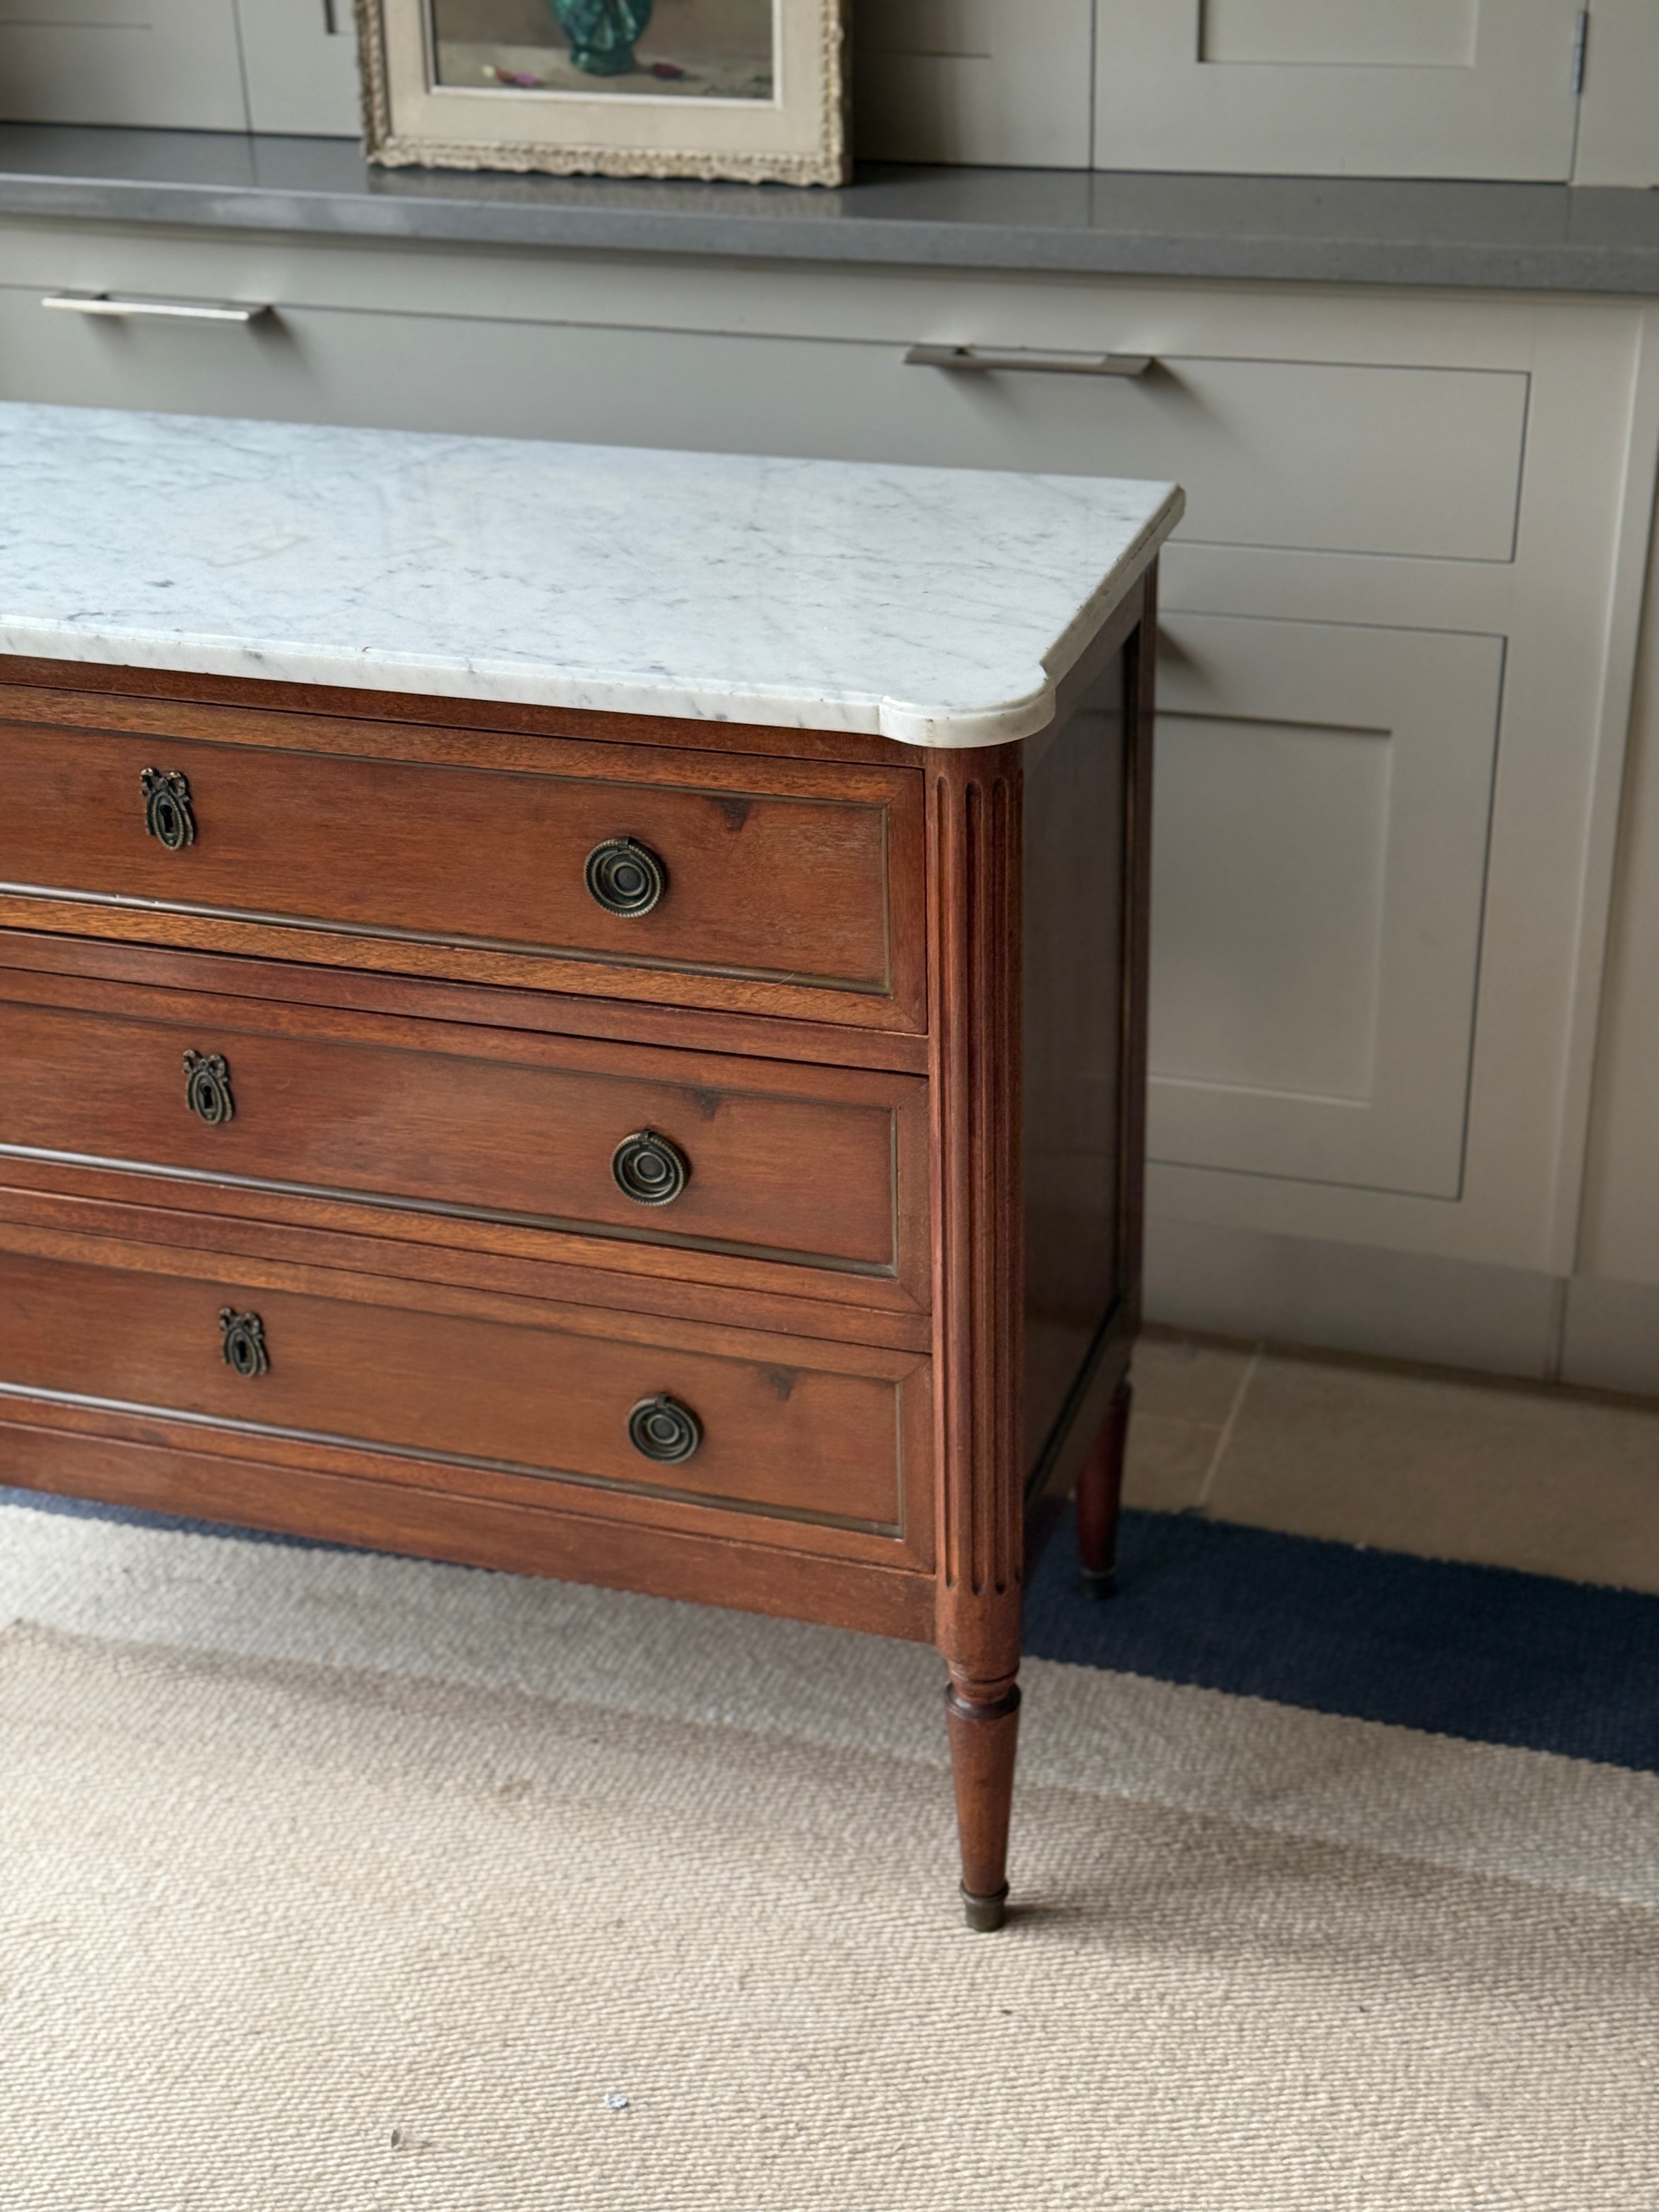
<point>244,1337</point>
<point>207,1088</point>
<point>168,814</point>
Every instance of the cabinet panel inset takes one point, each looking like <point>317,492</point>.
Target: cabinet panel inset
<point>1414,33</point>
<point>999,81</point>
<point>167,63</point>
<point>1323,800</point>
<point>1338,88</point>
<point>1271,986</point>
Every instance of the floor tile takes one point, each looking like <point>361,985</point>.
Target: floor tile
<point>1188,1378</point>
<point>1546,1481</point>
<point>1168,1463</point>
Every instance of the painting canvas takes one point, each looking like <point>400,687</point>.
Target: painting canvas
<point>657,48</point>
<point>743,88</point>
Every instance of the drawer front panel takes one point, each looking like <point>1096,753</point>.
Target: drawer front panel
<point>817,1440</point>
<point>763,889</point>
<point>1301,451</point>
<point>821,1167</point>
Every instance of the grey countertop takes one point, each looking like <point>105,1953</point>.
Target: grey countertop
<point>1306,229</point>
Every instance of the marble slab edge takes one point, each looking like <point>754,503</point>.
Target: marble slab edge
<point>937,724</point>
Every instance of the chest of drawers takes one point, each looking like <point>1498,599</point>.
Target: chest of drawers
<point>474,1116</point>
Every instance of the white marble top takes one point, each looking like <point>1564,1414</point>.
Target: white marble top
<point>937,606</point>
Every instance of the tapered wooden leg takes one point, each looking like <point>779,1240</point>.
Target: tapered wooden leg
<point>975,847</point>
<point>1100,1497</point>
<point>983,1720</point>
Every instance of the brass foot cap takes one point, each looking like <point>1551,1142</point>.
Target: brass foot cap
<point>985,1915</point>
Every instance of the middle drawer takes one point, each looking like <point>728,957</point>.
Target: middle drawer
<point>706,1159</point>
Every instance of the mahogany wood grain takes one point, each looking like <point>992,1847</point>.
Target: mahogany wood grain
<point>469,1256</point>
<point>975,864</point>
<point>386,1516</point>
<point>86,690</point>
<point>292,982</point>
<point>457,1389</point>
<point>801,1540</point>
<point>579,750</point>
<point>1140,687</point>
<point>1100,1477</point>
<point>984,1736</point>
<point>778,890</point>
<point>768,1336</point>
<point>1084,1004</point>
<point>490,1399</point>
<point>1100,1495</point>
<point>825,1168</point>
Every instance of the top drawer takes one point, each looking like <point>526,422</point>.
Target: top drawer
<point>1312,455</point>
<point>1329,421</point>
<point>690,878</point>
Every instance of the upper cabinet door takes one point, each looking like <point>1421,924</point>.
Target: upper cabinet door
<point>1339,88</point>
<point>172,64</point>
<point>1005,82</point>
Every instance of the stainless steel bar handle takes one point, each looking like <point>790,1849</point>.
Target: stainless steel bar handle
<point>1027,361</point>
<point>177,311</point>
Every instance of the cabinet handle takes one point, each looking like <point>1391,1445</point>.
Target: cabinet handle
<point>650,1169</point>
<point>173,311</point>
<point>168,814</point>
<point>625,877</point>
<point>244,1347</point>
<point>1027,360</point>
<point>207,1088</point>
<point>663,1430</point>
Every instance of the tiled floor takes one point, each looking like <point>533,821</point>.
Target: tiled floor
<point>1554,1481</point>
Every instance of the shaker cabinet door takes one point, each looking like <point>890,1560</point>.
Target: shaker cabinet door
<point>1004,82</point>
<point>1323,795</point>
<point>1338,88</point>
<point>167,63</point>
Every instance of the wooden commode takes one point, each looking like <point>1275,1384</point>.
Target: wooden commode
<point>579,1011</point>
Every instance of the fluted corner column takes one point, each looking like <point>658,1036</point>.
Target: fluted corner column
<point>974,859</point>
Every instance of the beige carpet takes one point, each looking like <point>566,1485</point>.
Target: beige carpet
<point>286,1936</point>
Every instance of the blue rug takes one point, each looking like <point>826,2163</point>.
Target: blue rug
<point>1479,1652</point>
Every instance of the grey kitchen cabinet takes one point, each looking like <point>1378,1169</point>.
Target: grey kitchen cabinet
<point>276,65</point>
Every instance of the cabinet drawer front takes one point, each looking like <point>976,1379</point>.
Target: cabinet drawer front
<point>767,885</point>
<point>1301,451</point>
<point>825,1168</point>
<point>504,1405</point>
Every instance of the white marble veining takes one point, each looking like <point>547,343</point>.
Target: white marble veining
<point>937,606</point>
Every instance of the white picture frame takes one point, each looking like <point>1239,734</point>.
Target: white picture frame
<point>642,118</point>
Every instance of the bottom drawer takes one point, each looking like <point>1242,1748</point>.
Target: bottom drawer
<point>504,1402</point>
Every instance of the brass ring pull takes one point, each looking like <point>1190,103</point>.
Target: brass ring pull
<point>207,1088</point>
<point>662,1429</point>
<point>168,814</point>
<point>649,1169</point>
<point>625,877</point>
<point>244,1335</point>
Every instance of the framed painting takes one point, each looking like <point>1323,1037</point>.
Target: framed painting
<point>754,89</point>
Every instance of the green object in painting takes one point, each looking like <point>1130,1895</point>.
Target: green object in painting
<point>602,32</point>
